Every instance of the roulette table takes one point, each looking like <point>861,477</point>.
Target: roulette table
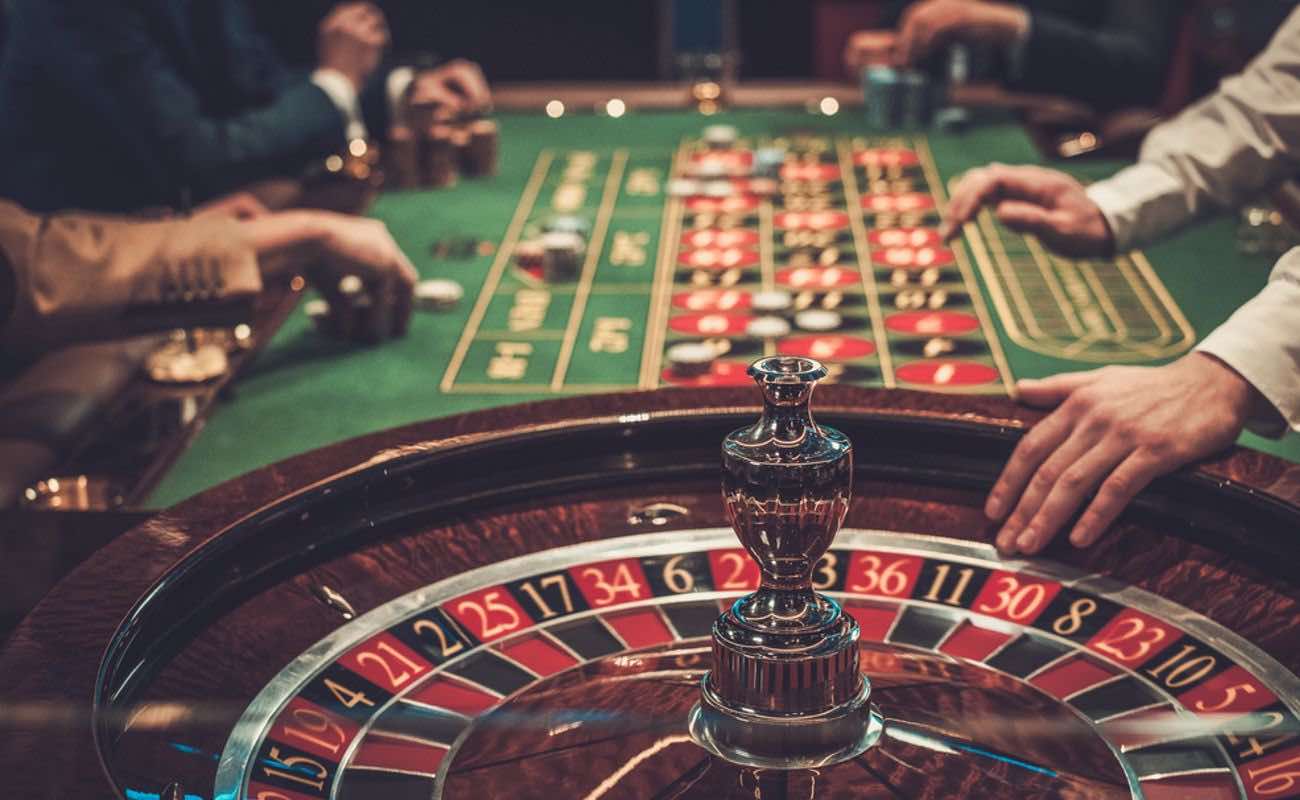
<point>847,231</point>
<point>517,602</point>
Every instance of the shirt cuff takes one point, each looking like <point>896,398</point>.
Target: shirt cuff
<point>343,95</point>
<point>1140,203</point>
<point>1261,341</point>
<point>399,81</point>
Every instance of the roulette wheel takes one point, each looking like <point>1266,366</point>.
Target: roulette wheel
<point>554,600</point>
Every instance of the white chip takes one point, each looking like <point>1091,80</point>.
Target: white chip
<point>720,135</point>
<point>719,189</point>
<point>683,187</point>
<point>351,285</point>
<point>768,328</point>
<point>437,294</point>
<point>316,308</point>
<point>709,169</point>
<point>691,358</point>
<point>817,320</point>
<point>174,362</point>
<point>771,301</point>
<point>564,241</point>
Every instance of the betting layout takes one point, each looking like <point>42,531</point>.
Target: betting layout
<point>623,270</point>
<point>639,268</point>
<point>428,686</point>
<point>839,260</point>
<point>1098,310</point>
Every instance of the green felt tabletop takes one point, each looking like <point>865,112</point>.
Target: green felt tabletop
<point>306,390</point>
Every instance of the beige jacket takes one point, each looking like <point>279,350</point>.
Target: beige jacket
<point>77,277</point>
<point>1219,153</point>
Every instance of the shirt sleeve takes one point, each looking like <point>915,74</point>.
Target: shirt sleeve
<point>396,85</point>
<point>81,276</point>
<point>344,96</point>
<point>1218,153</point>
<point>1261,341</point>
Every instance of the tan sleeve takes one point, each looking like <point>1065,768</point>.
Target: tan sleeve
<point>1261,341</point>
<point>79,276</point>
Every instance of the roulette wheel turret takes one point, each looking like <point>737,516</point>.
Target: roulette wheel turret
<point>785,690</point>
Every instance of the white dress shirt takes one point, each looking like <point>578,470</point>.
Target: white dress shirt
<point>1217,154</point>
<point>343,94</point>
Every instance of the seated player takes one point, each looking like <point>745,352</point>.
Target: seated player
<point>111,105</point>
<point>80,277</point>
<point>1117,428</point>
<point>1109,54</point>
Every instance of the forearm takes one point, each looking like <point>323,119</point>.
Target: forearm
<point>1261,341</point>
<point>79,277</point>
<point>218,155</point>
<point>284,241</point>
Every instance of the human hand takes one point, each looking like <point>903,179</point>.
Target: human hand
<point>364,248</point>
<point>1114,430</point>
<point>242,206</point>
<point>1048,204</point>
<point>930,24</point>
<point>453,89</point>
<point>351,39</point>
<point>869,48</point>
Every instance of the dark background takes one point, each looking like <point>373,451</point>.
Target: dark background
<point>518,40</point>
<point>575,40</point>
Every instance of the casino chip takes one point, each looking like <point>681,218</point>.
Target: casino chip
<point>562,258</point>
<point>683,187</point>
<point>768,161</point>
<point>318,311</point>
<point>178,362</point>
<point>719,189</point>
<point>720,136</point>
<point>691,359</point>
<point>568,223</point>
<point>351,286</point>
<point>438,295</point>
<point>529,254</point>
<point>817,320</point>
<point>771,301</point>
<point>768,328</point>
<point>710,169</point>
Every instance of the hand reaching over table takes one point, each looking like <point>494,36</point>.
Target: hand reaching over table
<point>333,247</point>
<point>1048,204</point>
<point>455,89</point>
<point>351,40</point>
<point>928,25</point>
<point>1114,430</point>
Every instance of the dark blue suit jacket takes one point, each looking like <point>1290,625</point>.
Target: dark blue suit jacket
<point>120,104</point>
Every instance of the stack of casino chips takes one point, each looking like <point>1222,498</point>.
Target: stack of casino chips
<point>555,251</point>
<point>897,98</point>
<point>430,153</point>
